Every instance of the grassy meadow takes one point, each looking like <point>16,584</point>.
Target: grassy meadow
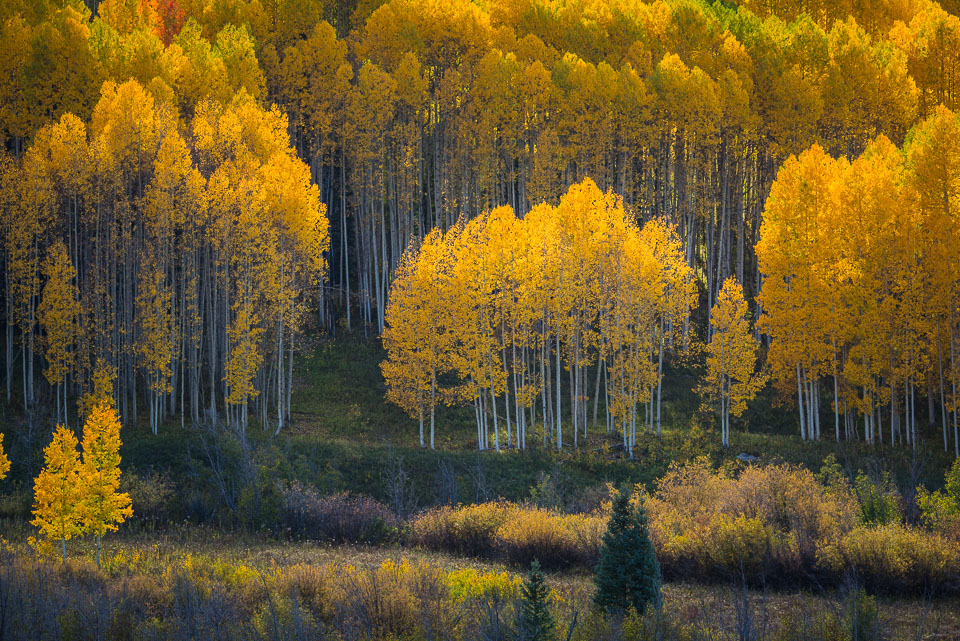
<point>193,581</point>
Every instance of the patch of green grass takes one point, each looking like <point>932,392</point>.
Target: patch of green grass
<point>339,393</point>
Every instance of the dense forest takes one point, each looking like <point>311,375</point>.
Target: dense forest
<point>186,183</point>
<point>520,320</point>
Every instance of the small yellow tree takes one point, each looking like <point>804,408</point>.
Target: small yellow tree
<point>102,507</point>
<point>731,379</point>
<point>57,490</point>
<point>4,461</point>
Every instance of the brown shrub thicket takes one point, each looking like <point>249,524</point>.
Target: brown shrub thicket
<point>776,524</point>
<point>343,518</point>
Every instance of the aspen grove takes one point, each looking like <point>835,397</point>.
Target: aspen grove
<point>182,269</point>
<point>187,186</point>
<point>503,305</point>
<point>860,263</point>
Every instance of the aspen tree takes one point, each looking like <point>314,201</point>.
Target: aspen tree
<point>28,213</point>
<point>933,171</point>
<point>731,381</point>
<point>154,311</point>
<point>102,507</point>
<point>794,316</point>
<point>59,490</point>
<point>418,333</point>
<point>57,313</point>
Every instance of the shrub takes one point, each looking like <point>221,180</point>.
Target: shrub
<point>260,503</point>
<point>338,517</point>
<point>895,556</point>
<point>727,546</point>
<point>517,534</point>
<point>778,515</point>
<point>861,616</point>
<point>941,509</point>
<point>377,601</point>
<point>145,592</point>
<point>470,585</point>
<point>746,545</point>
<point>469,530</point>
<point>789,499</point>
<point>307,582</point>
<point>16,503</point>
<point>549,492</point>
<point>397,599</point>
<point>237,583</point>
<point>555,540</point>
<point>879,501</point>
<point>484,601</point>
<point>283,617</point>
<point>150,495</point>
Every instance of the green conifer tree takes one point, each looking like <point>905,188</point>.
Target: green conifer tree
<point>628,575</point>
<point>534,621</point>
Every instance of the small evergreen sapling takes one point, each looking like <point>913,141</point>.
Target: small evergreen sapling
<point>534,622</point>
<point>628,575</point>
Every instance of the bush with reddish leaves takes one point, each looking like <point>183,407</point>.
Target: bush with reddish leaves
<point>342,518</point>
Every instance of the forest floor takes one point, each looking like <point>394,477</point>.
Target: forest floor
<point>340,398</point>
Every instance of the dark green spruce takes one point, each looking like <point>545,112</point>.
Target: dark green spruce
<point>628,575</point>
<point>534,621</point>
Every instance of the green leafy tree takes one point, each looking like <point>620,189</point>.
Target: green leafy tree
<point>628,575</point>
<point>534,621</point>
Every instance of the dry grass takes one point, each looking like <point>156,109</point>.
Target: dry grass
<point>718,606</point>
